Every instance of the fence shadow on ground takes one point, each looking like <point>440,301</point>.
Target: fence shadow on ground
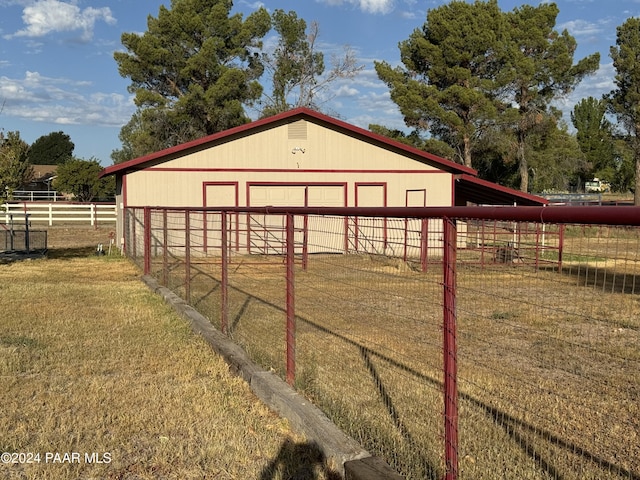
<point>69,253</point>
<point>605,279</point>
<point>299,461</point>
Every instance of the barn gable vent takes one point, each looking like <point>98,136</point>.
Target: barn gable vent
<point>298,130</point>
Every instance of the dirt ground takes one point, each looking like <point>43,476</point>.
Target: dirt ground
<point>77,240</point>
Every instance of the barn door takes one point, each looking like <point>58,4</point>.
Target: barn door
<point>267,231</point>
<point>414,228</point>
<point>325,234</point>
<point>219,195</point>
<point>369,234</point>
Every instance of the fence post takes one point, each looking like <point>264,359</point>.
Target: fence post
<point>450,351</point>
<point>165,251</point>
<point>424,244</point>
<point>539,246</point>
<point>147,240</point>
<point>187,256</point>
<point>133,214</point>
<point>27,245</point>
<point>560,246</point>
<point>291,315</point>
<point>50,214</point>
<point>224,279</point>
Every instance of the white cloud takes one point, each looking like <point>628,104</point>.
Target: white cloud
<point>9,3</point>
<point>48,16</point>
<point>581,28</point>
<point>369,6</point>
<point>253,5</point>
<point>62,101</point>
<point>346,91</point>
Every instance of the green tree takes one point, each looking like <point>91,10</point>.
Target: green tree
<point>194,69</point>
<point>147,131</point>
<point>541,69</point>
<point>494,157</point>
<point>451,81</point>
<point>595,137</point>
<point>81,178</point>
<point>431,145</point>
<point>52,149</point>
<point>555,160</point>
<point>296,67</point>
<point>15,169</point>
<point>624,179</point>
<point>624,100</point>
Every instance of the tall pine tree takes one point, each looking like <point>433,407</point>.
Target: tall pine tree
<point>193,71</point>
<point>541,69</point>
<point>594,134</point>
<point>451,79</point>
<point>625,99</point>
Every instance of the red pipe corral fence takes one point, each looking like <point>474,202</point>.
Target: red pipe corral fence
<point>454,342</point>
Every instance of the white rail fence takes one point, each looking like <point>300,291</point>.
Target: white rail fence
<point>38,195</point>
<point>58,212</point>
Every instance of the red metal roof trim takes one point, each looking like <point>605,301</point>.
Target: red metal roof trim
<point>137,163</point>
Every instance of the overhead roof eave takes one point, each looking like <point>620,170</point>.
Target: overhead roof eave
<point>470,189</point>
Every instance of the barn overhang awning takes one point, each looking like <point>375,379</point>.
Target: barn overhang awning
<point>469,189</point>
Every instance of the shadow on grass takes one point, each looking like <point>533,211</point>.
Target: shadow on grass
<point>299,461</point>
<point>78,252</point>
<point>605,279</point>
<point>528,437</point>
<point>69,253</point>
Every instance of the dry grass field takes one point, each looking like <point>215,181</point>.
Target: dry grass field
<point>548,359</point>
<point>101,380</point>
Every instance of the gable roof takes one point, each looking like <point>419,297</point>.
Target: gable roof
<point>284,118</point>
<point>43,172</point>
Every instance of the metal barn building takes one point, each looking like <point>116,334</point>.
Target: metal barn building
<point>301,158</point>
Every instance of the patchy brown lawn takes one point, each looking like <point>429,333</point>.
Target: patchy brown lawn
<point>95,366</point>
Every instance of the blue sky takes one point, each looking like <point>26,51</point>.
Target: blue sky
<point>57,71</point>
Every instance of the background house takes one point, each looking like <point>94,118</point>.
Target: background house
<point>43,175</point>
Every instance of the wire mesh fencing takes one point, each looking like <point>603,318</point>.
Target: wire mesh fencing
<point>455,343</point>
<point>22,241</point>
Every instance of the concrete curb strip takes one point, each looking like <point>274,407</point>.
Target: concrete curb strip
<point>304,417</point>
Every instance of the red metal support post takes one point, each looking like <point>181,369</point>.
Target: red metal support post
<point>539,248</point>
<point>560,246</point>
<point>305,242</point>
<point>291,313</point>
<point>450,351</point>
<point>424,243</point>
<point>224,276</point>
<point>165,250</point>
<point>147,240</point>
<point>187,256</point>
<point>131,245</point>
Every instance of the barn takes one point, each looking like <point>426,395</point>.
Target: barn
<point>301,158</point>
